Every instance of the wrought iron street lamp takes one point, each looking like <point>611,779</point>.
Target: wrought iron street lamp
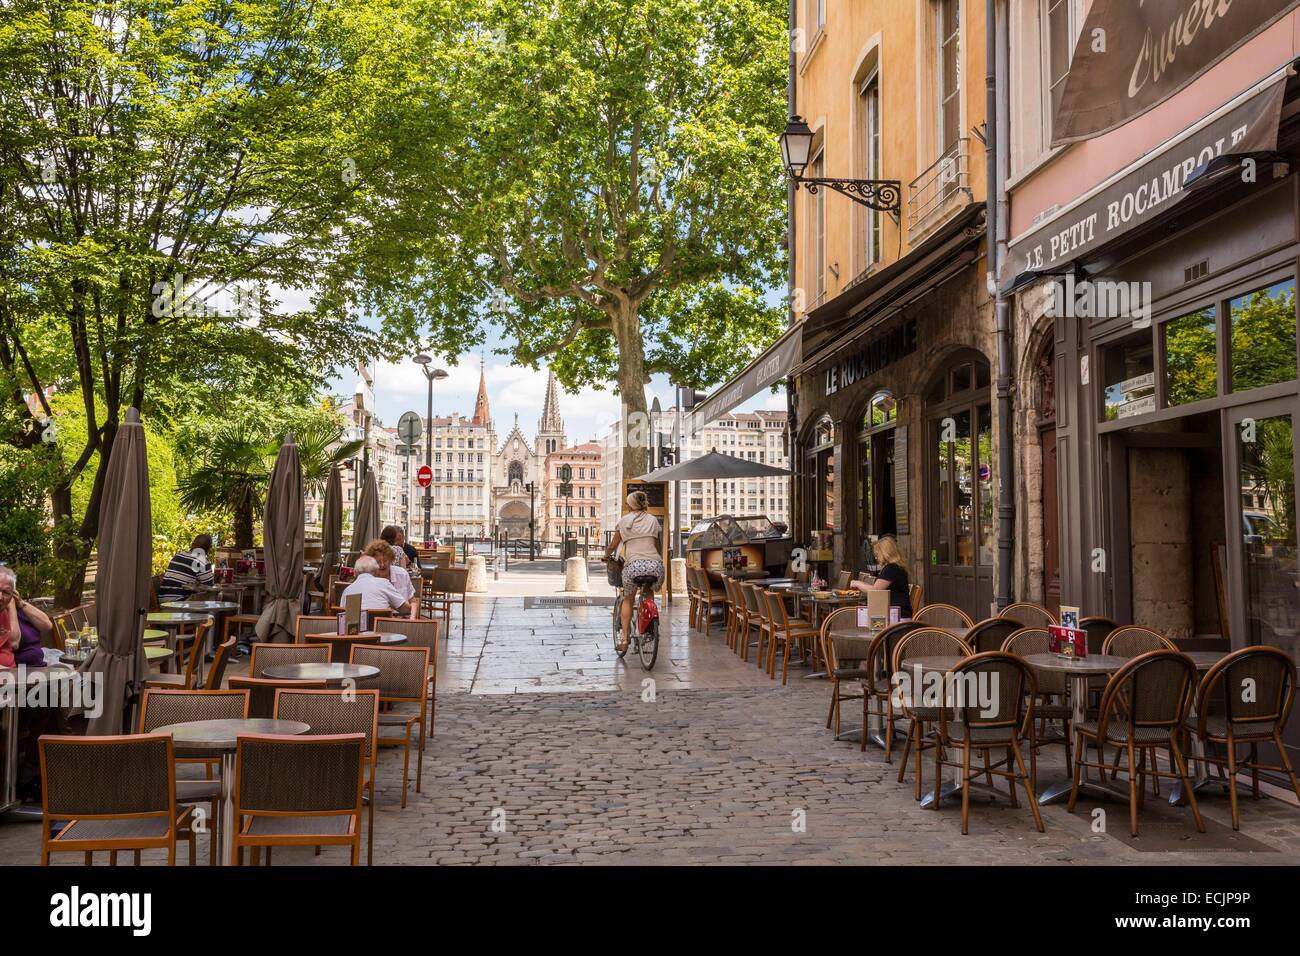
<point>884,195</point>
<point>430,375</point>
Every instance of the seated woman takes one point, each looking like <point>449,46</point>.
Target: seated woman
<point>396,575</point>
<point>21,625</point>
<point>892,577</point>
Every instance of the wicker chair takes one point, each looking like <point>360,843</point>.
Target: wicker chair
<point>298,791</point>
<point>990,634</point>
<point>837,673</point>
<point>188,677</point>
<point>942,615</point>
<point>308,624</point>
<point>276,655</point>
<point>332,712</point>
<point>1133,640</point>
<point>419,633</point>
<point>1029,615</point>
<point>971,725</point>
<point>878,699</point>
<point>922,642</point>
<point>1144,706</point>
<point>1052,701</point>
<point>785,632</point>
<point>403,674</point>
<point>1097,628</point>
<point>112,793</point>
<point>261,691</point>
<point>161,708</point>
<point>446,589</point>
<point>1232,722</point>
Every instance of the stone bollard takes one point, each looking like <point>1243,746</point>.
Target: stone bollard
<point>575,574</point>
<point>678,573</point>
<point>476,582</point>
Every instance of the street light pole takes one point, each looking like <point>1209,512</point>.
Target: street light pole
<point>430,375</point>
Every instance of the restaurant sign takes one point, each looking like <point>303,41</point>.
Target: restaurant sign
<point>1132,56</point>
<point>876,353</point>
<point>769,368</point>
<point>1149,188</point>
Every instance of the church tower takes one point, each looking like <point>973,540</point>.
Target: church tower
<point>482,415</point>
<point>550,429</point>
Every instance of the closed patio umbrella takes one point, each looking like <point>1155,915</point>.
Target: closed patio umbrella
<point>282,535</point>
<point>331,523</point>
<point>122,584</point>
<point>366,528</point>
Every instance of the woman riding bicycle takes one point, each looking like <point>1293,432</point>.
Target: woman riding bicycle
<point>638,533</point>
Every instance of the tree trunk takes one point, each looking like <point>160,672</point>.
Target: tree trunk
<point>244,527</point>
<point>71,551</point>
<point>636,423</point>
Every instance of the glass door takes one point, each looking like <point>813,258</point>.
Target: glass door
<point>1264,590</point>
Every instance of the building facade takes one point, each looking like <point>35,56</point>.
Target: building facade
<point>895,431</point>
<point>579,514</point>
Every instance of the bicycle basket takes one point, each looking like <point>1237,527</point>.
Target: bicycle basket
<point>614,573</point>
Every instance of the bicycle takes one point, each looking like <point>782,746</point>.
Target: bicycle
<point>644,622</point>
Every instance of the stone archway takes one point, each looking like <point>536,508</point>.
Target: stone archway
<point>512,519</point>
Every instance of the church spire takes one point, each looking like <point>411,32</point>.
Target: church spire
<point>482,415</point>
<point>551,421</point>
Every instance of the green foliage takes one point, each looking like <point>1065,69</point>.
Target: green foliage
<point>1191,360</point>
<point>1263,338</point>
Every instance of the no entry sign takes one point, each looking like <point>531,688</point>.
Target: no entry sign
<point>424,476</point>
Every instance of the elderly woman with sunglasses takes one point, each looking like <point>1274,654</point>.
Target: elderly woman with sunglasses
<point>21,625</point>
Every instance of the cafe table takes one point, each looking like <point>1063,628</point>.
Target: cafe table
<point>333,675</point>
<point>207,737</point>
<point>1203,660</point>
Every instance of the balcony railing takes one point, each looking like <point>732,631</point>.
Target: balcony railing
<point>939,190</point>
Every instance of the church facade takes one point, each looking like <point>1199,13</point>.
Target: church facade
<point>520,462</point>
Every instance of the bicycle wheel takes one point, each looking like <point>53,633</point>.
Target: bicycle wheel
<point>648,646</point>
<point>623,653</point>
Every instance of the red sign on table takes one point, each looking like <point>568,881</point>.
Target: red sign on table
<point>424,477</point>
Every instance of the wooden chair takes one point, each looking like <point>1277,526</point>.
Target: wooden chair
<point>990,634</point>
<point>1097,628</point>
<point>785,633</point>
<point>973,725</point>
<point>186,679</point>
<point>308,624</point>
<point>1133,640</point>
<point>1222,718</point>
<point>922,642</point>
<point>446,590</point>
<point>837,673</point>
<point>298,791</point>
<point>914,595</point>
<point>942,615</point>
<point>1156,693</point>
<point>403,678</point>
<point>419,633</point>
<point>758,611</point>
<point>1028,615</point>
<point>334,712</point>
<point>877,690</point>
<point>731,616</point>
<point>1052,700</point>
<point>220,660</point>
<point>162,708</point>
<point>710,597</point>
<point>261,691</point>
<point>130,807</point>
<point>274,655</point>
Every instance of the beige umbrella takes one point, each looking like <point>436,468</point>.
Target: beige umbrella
<point>122,584</point>
<point>282,534</point>
<point>366,528</point>
<point>331,524</point>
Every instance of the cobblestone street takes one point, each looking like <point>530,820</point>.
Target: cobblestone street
<point>549,751</point>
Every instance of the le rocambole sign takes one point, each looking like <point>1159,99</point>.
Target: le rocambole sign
<point>881,350</point>
<point>1150,188</point>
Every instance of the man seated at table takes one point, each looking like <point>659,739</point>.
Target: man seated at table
<point>403,552</point>
<point>189,573</point>
<point>397,576</point>
<point>377,593</point>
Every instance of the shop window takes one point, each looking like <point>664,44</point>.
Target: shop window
<point>1129,384</point>
<point>1263,327</point>
<point>1191,358</point>
<point>882,410</point>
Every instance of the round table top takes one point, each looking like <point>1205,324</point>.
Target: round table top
<point>158,653</point>
<point>330,673</point>
<point>208,606</point>
<point>176,617</point>
<point>1204,660</point>
<point>154,634</point>
<point>364,637</point>
<point>938,662</point>
<point>221,734</point>
<point>1092,664</point>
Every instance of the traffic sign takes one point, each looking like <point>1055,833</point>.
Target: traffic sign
<point>566,490</point>
<point>424,477</point>
<point>408,427</point>
<point>566,473</point>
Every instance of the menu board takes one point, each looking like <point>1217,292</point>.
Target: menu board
<point>655,491</point>
<point>900,480</point>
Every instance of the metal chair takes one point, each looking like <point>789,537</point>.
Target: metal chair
<point>877,691</point>
<point>1052,689</point>
<point>969,723</point>
<point>1144,707</point>
<point>922,642</point>
<point>332,712</point>
<point>942,615</point>
<point>1029,615</point>
<point>1238,721</point>
<point>111,793</point>
<point>298,791</point>
<point>403,673</point>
